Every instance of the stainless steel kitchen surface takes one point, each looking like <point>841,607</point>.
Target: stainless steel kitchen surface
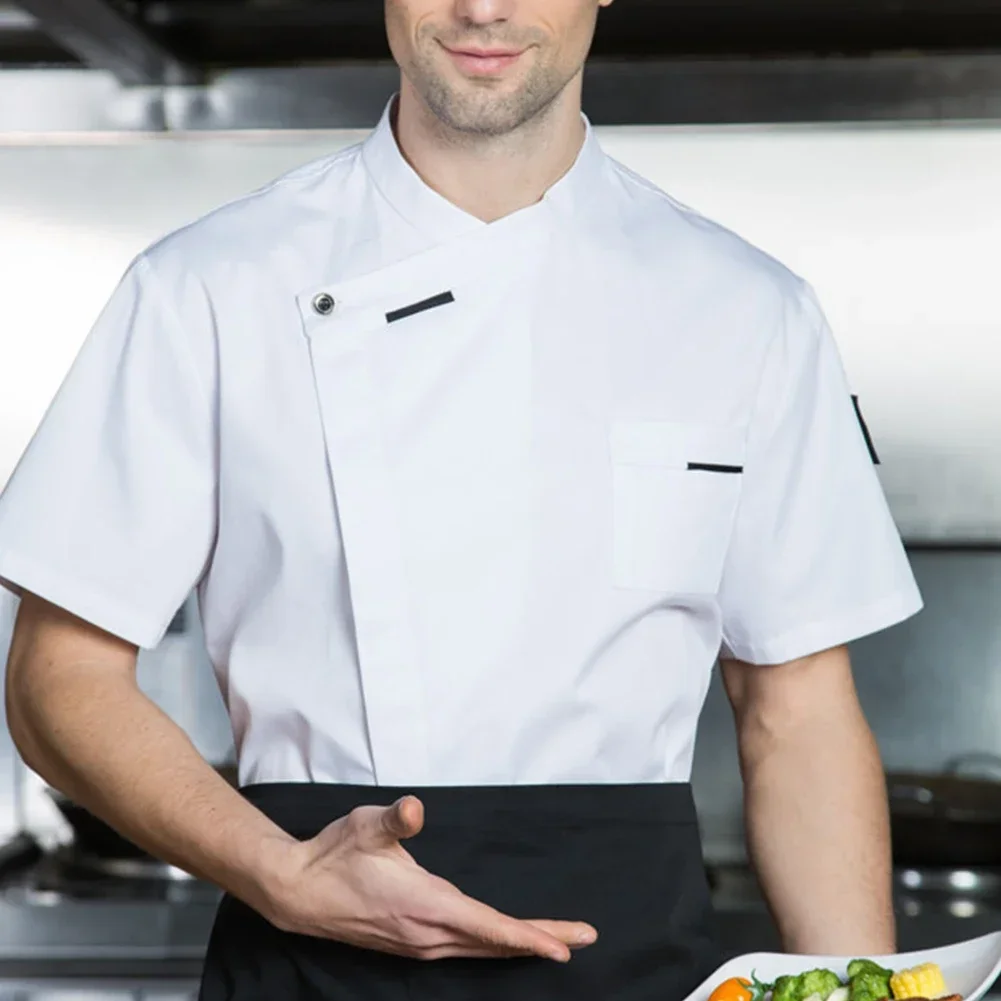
<point>61,912</point>
<point>106,990</point>
<point>72,928</point>
<point>933,907</point>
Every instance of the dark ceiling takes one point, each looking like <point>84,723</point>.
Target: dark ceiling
<point>225,33</point>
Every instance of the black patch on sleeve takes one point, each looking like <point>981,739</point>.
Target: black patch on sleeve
<point>865,432</point>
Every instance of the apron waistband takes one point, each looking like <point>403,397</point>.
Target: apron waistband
<point>303,809</point>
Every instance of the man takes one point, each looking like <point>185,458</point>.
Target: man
<point>480,451</point>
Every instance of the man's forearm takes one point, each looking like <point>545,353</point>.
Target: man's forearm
<point>818,832</point>
<point>96,737</point>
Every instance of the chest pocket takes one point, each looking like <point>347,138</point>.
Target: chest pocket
<point>675,490</point>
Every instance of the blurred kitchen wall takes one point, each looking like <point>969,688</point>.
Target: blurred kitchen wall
<point>898,228</point>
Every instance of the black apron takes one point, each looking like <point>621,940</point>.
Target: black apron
<point>625,858</point>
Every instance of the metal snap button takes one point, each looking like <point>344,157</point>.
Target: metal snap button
<point>324,304</point>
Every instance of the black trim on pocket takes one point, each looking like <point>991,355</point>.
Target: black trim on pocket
<point>712,467</point>
<point>865,432</point>
<point>420,307</point>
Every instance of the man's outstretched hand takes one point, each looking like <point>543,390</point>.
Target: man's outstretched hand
<point>355,883</point>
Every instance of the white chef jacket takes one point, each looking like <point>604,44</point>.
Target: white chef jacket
<point>465,503</point>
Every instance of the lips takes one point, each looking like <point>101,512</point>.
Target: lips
<point>483,62</point>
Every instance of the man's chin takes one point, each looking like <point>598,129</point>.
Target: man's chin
<point>505,84</point>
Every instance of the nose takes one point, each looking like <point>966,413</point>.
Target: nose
<point>484,11</point>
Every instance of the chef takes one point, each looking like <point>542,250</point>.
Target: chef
<point>480,451</point>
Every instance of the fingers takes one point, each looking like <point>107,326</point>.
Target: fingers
<point>504,935</point>
<point>515,938</point>
<point>476,928</point>
<point>399,821</point>
<point>575,934</point>
<point>404,819</point>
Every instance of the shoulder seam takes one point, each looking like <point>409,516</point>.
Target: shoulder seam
<point>320,166</point>
<point>694,216</point>
<point>324,163</point>
<point>642,182</point>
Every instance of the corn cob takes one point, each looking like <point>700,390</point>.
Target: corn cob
<point>924,981</point>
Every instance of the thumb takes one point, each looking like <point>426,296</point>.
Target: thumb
<point>403,819</point>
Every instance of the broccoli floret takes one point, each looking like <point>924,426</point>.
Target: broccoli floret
<point>822,982</point>
<point>870,985</point>
<point>787,989</point>
<point>866,966</point>
<point>806,985</point>
<point>868,980</point>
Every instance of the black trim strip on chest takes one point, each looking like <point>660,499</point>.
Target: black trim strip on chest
<point>420,307</point>
<point>712,467</point>
<point>865,432</point>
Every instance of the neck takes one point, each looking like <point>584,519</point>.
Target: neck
<point>491,176</point>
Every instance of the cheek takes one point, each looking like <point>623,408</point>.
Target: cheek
<point>408,28</point>
<point>403,21</point>
<point>574,28</point>
<point>396,27</point>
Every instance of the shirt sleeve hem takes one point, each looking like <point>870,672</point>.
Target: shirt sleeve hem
<point>19,574</point>
<point>818,636</point>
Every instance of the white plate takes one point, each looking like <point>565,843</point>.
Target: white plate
<point>969,968</point>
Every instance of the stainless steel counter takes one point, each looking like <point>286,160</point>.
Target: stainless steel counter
<point>100,939</point>
<point>45,934</point>
<point>101,990</point>
<point>930,912</point>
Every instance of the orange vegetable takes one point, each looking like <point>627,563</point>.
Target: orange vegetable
<point>735,989</point>
<point>740,989</point>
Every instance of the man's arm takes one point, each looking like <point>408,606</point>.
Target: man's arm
<point>815,804</point>
<point>80,720</point>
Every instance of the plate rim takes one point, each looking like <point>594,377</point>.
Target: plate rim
<point>898,957</point>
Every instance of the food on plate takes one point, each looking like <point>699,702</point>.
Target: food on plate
<point>866,966</point>
<point>819,984</point>
<point>924,981</point>
<point>814,985</point>
<point>866,981</point>
<point>740,989</point>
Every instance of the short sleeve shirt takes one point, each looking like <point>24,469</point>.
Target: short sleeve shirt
<point>464,503</point>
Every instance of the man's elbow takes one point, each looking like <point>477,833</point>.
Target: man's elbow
<point>25,700</point>
<point>17,704</point>
<point>56,664</point>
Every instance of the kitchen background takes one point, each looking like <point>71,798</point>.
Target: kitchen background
<point>860,144</point>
